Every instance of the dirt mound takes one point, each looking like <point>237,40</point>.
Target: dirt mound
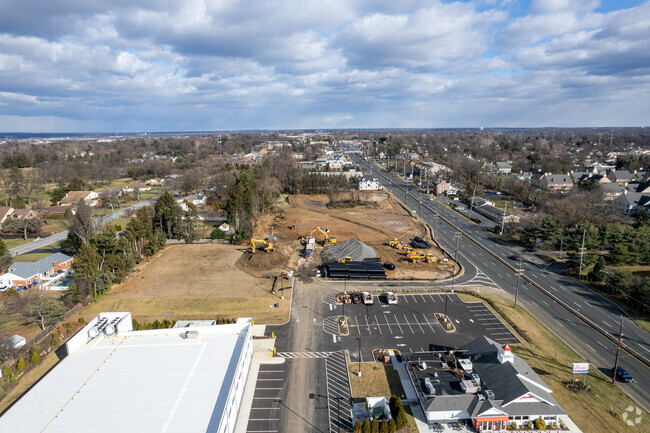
<point>353,248</point>
<point>261,263</point>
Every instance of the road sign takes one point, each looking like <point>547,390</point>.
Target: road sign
<point>580,367</point>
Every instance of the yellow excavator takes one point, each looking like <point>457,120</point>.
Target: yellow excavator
<point>328,239</point>
<point>416,257</point>
<point>345,259</point>
<point>261,244</point>
<point>397,244</point>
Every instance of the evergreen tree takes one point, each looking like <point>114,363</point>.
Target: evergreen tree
<point>358,427</point>
<point>384,427</point>
<point>86,265</point>
<point>20,365</point>
<point>392,427</point>
<point>374,426</point>
<point>366,426</point>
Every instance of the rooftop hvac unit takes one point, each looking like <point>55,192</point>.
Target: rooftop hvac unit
<point>97,328</point>
<point>191,335</point>
<point>489,394</point>
<point>110,329</point>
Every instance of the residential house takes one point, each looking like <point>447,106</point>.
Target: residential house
<point>91,198</point>
<point>598,168</point>
<point>525,175</point>
<point>43,272</point>
<point>644,187</point>
<point>5,212</point>
<point>196,200</point>
<point>620,176</point>
<point>139,186</point>
<point>428,169</point>
<point>155,181</point>
<point>56,211</point>
<point>23,214</point>
<point>632,203</point>
<point>556,182</point>
<point>611,190</point>
<point>494,389</point>
<point>368,183</point>
<point>504,167</point>
<point>445,188</point>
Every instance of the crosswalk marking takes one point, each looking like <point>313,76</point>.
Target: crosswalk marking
<point>303,354</point>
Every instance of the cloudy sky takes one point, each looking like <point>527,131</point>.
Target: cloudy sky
<point>171,65</point>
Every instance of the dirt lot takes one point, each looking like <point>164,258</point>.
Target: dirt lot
<point>375,224</point>
<point>196,282</point>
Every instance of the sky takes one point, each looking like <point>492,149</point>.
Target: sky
<point>199,65</point>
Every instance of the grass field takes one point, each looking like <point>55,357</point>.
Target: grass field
<point>551,358</point>
<point>376,379</point>
<point>13,243</point>
<point>194,282</point>
<point>28,379</point>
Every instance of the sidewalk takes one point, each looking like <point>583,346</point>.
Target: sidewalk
<point>262,354</point>
<point>409,390</point>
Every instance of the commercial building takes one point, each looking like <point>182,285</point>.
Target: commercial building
<point>114,379</point>
<point>368,183</point>
<point>482,382</point>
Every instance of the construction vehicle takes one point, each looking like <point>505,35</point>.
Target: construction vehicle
<point>397,244</point>
<point>422,257</point>
<point>261,244</point>
<point>345,259</point>
<point>329,240</point>
<point>310,244</point>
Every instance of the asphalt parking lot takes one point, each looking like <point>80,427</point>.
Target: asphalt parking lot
<point>410,325</point>
<point>267,408</point>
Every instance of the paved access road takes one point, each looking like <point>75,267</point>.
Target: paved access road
<point>585,320</point>
<point>40,243</point>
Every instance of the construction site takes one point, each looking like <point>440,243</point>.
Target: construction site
<point>306,232</point>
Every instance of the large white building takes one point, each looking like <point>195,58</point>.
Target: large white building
<point>174,380</point>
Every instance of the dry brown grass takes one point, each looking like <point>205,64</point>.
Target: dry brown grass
<point>377,379</point>
<point>195,282</point>
<point>28,379</point>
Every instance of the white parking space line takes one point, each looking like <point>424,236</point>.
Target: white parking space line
<point>423,300</point>
<point>357,322</point>
<point>425,318</point>
<point>414,299</point>
<point>405,297</point>
<point>500,333</point>
<point>259,378</point>
<point>440,296</point>
<point>498,327</point>
<point>432,300</point>
<point>378,325</point>
<point>391,329</point>
<point>368,325</point>
<point>408,323</point>
<point>451,298</point>
<point>418,322</point>
<point>400,326</point>
<point>334,337</point>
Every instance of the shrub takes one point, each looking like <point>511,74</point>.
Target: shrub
<point>55,340</point>
<point>366,426</point>
<point>68,326</point>
<point>530,425</point>
<point>374,426</point>
<point>20,365</point>
<point>392,427</point>
<point>512,426</point>
<point>9,374</point>
<point>35,358</point>
<point>401,420</point>
<point>358,427</point>
<point>217,234</point>
<point>384,427</point>
<point>82,320</point>
<point>540,424</point>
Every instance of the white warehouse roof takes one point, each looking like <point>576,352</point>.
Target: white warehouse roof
<point>139,381</point>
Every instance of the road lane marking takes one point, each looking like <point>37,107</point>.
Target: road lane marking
<point>378,325</point>
<point>577,304</point>
<point>334,337</point>
<point>545,303</point>
<point>590,347</point>
<point>601,344</point>
<point>607,324</point>
<point>534,303</point>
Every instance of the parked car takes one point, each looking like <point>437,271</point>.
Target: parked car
<point>391,298</point>
<point>623,375</point>
<point>515,257</point>
<point>367,298</point>
<point>356,298</point>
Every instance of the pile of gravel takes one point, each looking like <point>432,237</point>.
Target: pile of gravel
<point>348,248</point>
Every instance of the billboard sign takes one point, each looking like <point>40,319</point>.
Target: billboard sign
<point>580,367</point>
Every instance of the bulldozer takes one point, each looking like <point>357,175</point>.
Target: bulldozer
<point>329,240</point>
<point>345,259</point>
<point>397,244</point>
<point>422,257</point>
<point>261,244</point>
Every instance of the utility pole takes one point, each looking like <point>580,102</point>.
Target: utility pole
<point>471,206</point>
<point>618,347</point>
<point>582,251</point>
<point>517,289</point>
<point>503,220</point>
